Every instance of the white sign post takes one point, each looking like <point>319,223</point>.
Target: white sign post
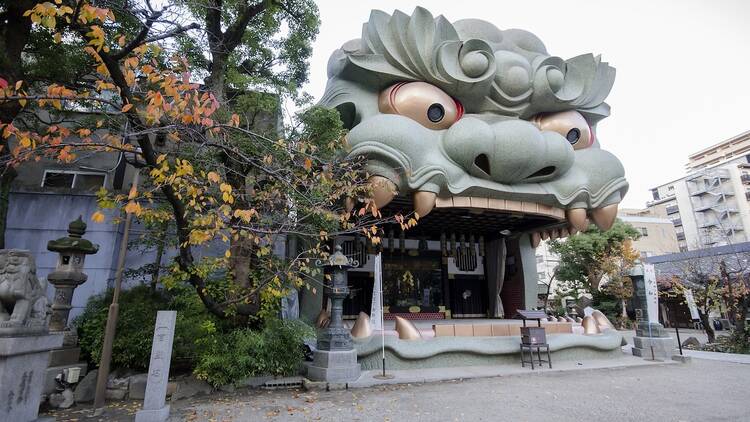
<point>652,293</point>
<point>691,304</point>
<point>155,408</point>
<point>376,309</point>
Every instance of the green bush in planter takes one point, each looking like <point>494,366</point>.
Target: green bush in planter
<point>236,355</point>
<point>135,327</point>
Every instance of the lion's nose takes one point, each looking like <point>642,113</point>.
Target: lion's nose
<point>512,151</point>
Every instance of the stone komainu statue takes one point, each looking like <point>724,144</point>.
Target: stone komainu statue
<point>23,300</point>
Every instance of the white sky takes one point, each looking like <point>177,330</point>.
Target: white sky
<point>683,67</point>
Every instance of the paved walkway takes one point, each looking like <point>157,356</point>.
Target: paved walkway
<point>702,390</point>
<point>414,376</point>
<point>723,357</point>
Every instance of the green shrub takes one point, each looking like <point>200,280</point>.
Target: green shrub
<point>233,356</point>
<point>135,327</point>
<point>607,304</point>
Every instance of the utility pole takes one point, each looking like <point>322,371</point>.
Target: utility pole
<point>114,309</point>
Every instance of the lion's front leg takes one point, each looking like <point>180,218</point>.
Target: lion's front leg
<point>21,310</point>
<point>4,316</point>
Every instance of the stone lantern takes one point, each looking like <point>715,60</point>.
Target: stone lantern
<point>335,359</point>
<point>68,273</point>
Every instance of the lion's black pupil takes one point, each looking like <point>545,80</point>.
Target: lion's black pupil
<point>573,135</point>
<point>435,113</point>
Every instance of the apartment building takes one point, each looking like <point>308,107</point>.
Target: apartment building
<point>658,235</point>
<point>709,206</point>
<point>735,146</point>
<point>546,263</point>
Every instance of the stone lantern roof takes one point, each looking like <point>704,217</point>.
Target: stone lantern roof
<point>74,241</point>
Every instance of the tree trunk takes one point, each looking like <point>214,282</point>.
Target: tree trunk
<point>729,297</point>
<point>216,80</point>
<point>14,35</point>
<point>159,253</point>
<point>594,280</point>
<point>5,182</point>
<point>707,326</point>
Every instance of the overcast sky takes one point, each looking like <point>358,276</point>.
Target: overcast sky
<point>683,67</point>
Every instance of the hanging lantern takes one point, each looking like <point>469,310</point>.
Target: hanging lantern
<point>463,253</point>
<point>357,245</point>
<point>443,244</point>
<point>423,247</point>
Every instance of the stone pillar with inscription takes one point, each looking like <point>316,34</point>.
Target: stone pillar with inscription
<point>335,359</point>
<point>651,340</point>
<point>155,408</point>
<point>68,275</point>
<point>25,341</point>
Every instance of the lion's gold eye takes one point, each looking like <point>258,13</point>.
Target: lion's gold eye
<point>570,124</point>
<point>424,103</point>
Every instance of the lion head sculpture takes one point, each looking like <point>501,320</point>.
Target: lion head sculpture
<point>442,109</point>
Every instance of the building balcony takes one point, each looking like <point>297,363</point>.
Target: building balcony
<point>678,221</point>
<point>726,226</point>
<point>718,206</point>
<point>745,178</point>
<point>702,208</point>
<point>711,175</point>
<point>541,289</point>
<point>680,236</point>
<point>672,209</point>
<point>715,189</point>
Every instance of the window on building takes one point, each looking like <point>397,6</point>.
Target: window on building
<point>643,230</point>
<point>655,194</point>
<point>54,179</point>
<point>541,275</point>
<point>672,209</point>
<point>87,181</point>
<point>539,259</point>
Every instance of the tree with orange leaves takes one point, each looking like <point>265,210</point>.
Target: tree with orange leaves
<point>207,170</point>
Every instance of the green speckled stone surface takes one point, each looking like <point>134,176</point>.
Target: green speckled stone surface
<point>479,351</point>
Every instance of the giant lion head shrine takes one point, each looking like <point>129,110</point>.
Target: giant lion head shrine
<point>492,141</point>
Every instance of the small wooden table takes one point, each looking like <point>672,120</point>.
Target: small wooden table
<point>538,347</point>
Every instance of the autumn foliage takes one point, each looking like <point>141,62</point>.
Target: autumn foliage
<point>225,188</point>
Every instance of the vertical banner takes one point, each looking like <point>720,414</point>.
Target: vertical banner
<point>376,309</point>
<point>652,293</point>
<point>691,304</point>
